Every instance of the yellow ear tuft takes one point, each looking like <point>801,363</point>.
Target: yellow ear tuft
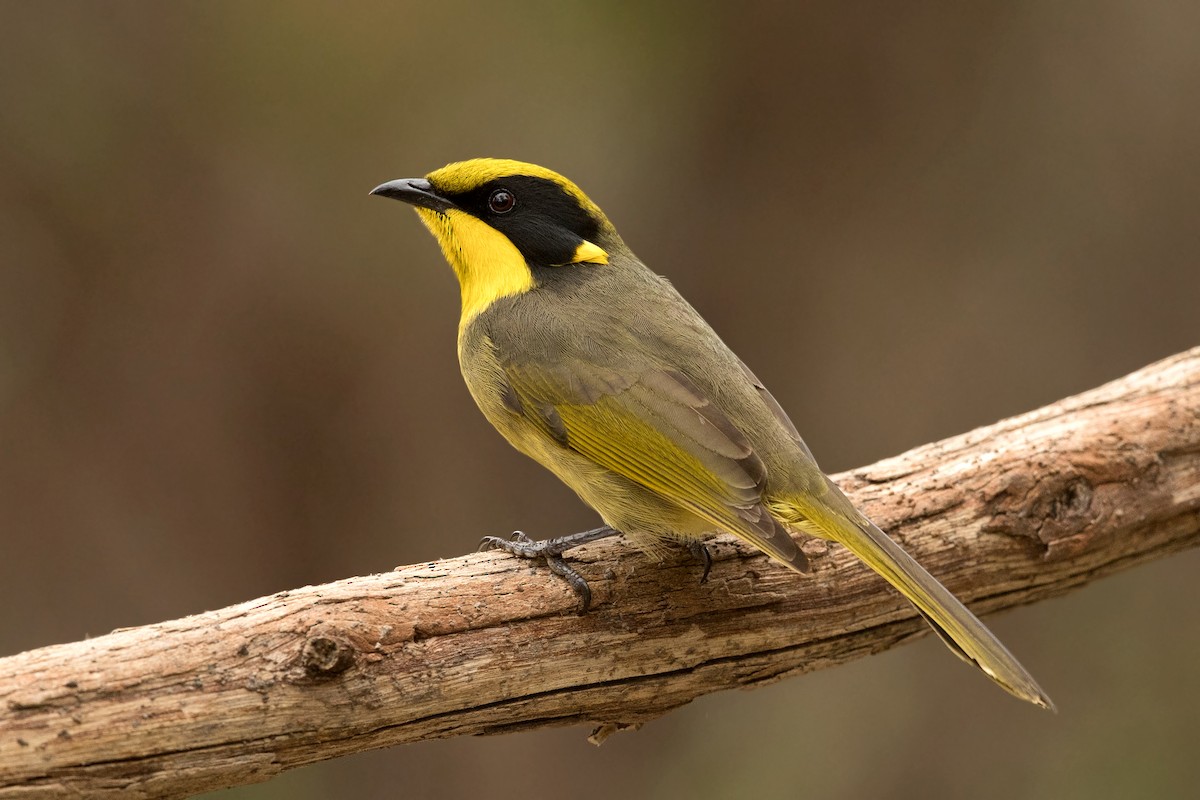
<point>587,253</point>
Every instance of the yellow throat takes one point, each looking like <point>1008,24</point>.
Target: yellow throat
<point>487,264</point>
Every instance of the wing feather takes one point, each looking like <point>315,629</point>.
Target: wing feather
<point>659,430</point>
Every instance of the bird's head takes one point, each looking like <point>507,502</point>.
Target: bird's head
<point>500,222</point>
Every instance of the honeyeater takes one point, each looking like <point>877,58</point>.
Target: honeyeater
<point>593,365</point>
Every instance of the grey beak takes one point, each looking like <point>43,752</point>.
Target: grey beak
<point>414,191</point>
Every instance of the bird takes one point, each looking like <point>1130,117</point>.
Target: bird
<point>595,366</point>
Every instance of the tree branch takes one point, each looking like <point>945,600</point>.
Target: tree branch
<point>1004,515</point>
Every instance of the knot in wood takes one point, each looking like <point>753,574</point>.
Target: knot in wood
<point>1046,505</point>
<point>325,656</point>
<point>1073,500</point>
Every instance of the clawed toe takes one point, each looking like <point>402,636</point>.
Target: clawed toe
<point>701,553</point>
<point>521,545</point>
<point>550,551</point>
<point>559,566</point>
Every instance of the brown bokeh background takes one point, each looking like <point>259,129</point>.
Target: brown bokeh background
<point>225,370</point>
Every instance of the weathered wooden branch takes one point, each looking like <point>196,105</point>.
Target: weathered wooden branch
<point>1004,515</point>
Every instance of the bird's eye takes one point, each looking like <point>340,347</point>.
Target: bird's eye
<point>501,201</point>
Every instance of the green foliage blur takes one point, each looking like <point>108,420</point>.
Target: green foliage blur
<point>225,370</point>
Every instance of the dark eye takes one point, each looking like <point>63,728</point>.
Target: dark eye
<point>501,201</point>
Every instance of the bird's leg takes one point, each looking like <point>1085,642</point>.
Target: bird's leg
<point>550,551</point>
<point>700,552</point>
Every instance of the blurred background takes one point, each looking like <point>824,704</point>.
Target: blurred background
<point>225,370</point>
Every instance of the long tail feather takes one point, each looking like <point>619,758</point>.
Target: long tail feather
<point>961,630</point>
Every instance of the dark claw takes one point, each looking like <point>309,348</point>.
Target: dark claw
<point>700,552</point>
<point>559,566</point>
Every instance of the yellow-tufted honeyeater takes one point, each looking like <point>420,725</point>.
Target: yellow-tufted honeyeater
<point>593,365</point>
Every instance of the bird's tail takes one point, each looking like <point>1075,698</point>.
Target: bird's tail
<point>961,630</point>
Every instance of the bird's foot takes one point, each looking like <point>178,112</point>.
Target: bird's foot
<point>550,551</point>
